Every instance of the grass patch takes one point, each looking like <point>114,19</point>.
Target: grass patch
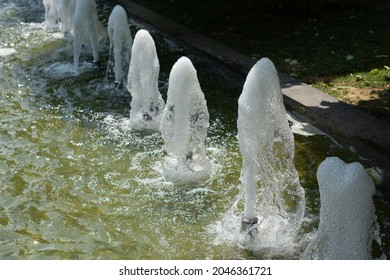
<point>369,90</point>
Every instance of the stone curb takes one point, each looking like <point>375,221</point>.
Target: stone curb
<point>351,127</point>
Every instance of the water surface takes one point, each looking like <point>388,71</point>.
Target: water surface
<point>77,183</point>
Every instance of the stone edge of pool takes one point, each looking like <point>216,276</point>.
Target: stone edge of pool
<point>351,127</point>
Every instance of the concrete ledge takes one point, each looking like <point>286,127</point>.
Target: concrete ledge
<point>350,126</point>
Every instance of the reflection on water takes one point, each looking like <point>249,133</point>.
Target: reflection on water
<point>77,183</point>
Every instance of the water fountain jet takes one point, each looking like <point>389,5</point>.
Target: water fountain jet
<point>184,126</point>
<point>347,213</point>
<point>66,10</point>
<point>147,104</point>
<point>85,22</point>
<point>59,12</point>
<point>120,45</point>
<point>267,147</point>
<point>51,13</point>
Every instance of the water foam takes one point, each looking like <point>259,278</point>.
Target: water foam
<point>347,212</point>
<point>147,104</point>
<point>267,146</point>
<point>184,126</point>
<point>120,44</point>
<point>7,51</point>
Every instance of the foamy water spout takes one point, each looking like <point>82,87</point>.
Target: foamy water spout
<point>120,45</point>
<point>347,212</point>
<point>184,126</point>
<point>272,190</point>
<point>85,23</point>
<point>147,104</point>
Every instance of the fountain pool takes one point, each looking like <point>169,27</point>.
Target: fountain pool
<point>77,183</point>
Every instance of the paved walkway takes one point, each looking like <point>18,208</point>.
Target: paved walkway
<point>368,135</point>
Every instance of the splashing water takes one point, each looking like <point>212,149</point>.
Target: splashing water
<point>120,45</point>
<point>59,12</point>
<point>51,13</point>
<point>184,126</point>
<point>347,212</point>
<point>66,11</point>
<point>267,147</point>
<point>147,104</point>
<point>84,19</point>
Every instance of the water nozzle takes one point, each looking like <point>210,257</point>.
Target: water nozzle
<point>249,226</point>
<point>118,85</point>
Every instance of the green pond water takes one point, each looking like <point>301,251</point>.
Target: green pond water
<point>76,183</point>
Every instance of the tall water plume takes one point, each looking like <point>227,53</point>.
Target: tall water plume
<point>120,45</point>
<point>184,126</point>
<point>347,213</point>
<point>272,190</point>
<point>147,104</point>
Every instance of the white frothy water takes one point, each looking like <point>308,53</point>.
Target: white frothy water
<point>60,70</point>
<point>267,146</point>
<point>184,126</point>
<point>271,187</point>
<point>51,13</point>
<point>120,44</point>
<point>83,24</point>
<point>347,212</point>
<point>147,104</point>
<point>7,51</point>
<point>301,127</point>
<point>66,9</point>
<point>78,18</point>
<point>59,12</point>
